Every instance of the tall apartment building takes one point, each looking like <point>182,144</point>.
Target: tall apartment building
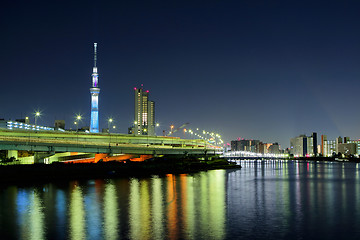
<point>302,145</point>
<point>339,145</point>
<point>328,147</point>
<point>357,145</point>
<point>144,118</point>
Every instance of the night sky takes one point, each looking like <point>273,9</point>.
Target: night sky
<point>267,70</point>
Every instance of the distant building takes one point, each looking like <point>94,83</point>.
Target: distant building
<point>323,147</point>
<point>338,141</point>
<point>347,149</point>
<point>357,144</point>
<point>263,147</point>
<point>298,146</point>
<point>302,145</point>
<point>339,145</point>
<point>314,146</point>
<point>144,114</point>
<point>59,124</point>
<point>255,146</point>
<point>274,148</point>
<point>328,147</point>
<point>245,145</point>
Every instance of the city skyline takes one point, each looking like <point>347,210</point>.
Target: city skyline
<point>267,71</point>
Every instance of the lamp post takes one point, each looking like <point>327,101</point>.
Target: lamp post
<point>147,137</point>
<point>110,120</point>
<point>37,115</point>
<point>156,125</point>
<point>78,119</point>
<point>76,125</point>
<point>171,129</point>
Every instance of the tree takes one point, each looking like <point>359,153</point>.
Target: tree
<point>8,160</point>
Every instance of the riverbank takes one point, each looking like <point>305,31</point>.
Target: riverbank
<point>61,171</point>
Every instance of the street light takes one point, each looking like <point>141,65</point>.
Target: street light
<point>171,128</point>
<point>156,125</point>
<point>110,120</point>
<point>37,115</point>
<point>78,119</point>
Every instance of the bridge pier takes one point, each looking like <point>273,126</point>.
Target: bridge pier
<point>39,157</point>
<point>12,153</point>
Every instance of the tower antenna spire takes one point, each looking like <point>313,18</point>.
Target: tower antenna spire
<point>95,45</point>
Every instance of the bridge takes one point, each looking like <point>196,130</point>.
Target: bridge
<point>239,155</point>
<point>61,145</point>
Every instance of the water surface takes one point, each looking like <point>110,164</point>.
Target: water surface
<point>263,200</point>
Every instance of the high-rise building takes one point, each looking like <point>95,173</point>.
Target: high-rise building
<point>151,118</point>
<point>328,147</point>
<point>357,143</point>
<point>324,145</point>
<point>338,140</point>
<point>94,91</point>
<point>314,146</point>
<point>144,118</point>
<point>302,145</point>
<point>298,146</point>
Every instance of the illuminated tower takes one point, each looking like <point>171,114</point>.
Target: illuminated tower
<point>94,90</point>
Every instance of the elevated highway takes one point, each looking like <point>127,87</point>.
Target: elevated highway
<point>52,142</point>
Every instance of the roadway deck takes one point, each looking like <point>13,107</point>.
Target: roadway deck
<point>53,141</point>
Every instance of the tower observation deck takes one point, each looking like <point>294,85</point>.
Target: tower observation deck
<point>94,91</point>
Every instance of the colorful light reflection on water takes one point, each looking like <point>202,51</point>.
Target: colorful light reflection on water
<point>263,200</point>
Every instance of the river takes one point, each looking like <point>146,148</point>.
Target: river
<point>263,200</point>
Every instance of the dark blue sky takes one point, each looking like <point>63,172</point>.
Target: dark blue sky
<point>267,70</point>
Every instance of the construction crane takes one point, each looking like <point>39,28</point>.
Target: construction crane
<point>177,129</point>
